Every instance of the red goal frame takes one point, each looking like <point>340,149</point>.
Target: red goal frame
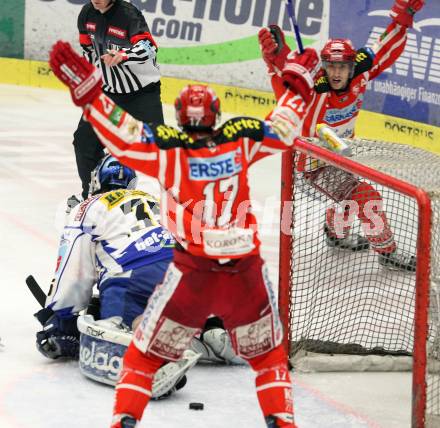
<point>419,393</point>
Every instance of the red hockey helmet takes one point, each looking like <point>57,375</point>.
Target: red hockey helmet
<point>197,107</point>
<point>338,50</point>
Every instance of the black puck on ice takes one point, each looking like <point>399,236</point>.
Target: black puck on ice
<point>196,406</point>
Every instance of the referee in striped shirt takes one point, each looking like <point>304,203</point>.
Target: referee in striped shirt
<point>115,37</point>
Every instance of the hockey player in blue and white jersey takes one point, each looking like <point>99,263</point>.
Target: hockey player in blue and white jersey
<point>114,240</point>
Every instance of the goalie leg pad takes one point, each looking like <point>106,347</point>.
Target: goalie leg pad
<point>215,346</point>
<point>171,376</point>
<point>103,344</point>
<point>219,341</point>
<point>102,347</point>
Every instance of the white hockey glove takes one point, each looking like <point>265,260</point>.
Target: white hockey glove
<point>283,124</point>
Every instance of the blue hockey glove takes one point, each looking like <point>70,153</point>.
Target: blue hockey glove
<point>59,337</point>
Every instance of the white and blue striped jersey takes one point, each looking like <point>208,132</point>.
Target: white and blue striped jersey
<point>106,236</point>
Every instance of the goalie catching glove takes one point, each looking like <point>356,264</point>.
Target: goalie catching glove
<point>403,11</point>
<point>82,78</point>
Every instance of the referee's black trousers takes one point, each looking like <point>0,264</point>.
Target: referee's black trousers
<point>144,105</point>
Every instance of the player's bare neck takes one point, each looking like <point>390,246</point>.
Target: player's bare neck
<point>107,8</point>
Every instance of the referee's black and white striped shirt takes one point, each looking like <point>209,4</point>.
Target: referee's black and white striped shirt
<point>122,27</point>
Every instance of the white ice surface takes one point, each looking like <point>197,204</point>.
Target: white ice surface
<point>37,173</point>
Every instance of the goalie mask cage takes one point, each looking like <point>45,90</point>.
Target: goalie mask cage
<point>338,302</point>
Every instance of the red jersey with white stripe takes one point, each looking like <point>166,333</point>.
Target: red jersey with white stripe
<point>205,199</point>
<point>339,110</point>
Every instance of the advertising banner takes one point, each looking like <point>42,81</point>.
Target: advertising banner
<point>215,41</point>
<point>207,40</point>
<point>12,28</point>
<point>411,87</point>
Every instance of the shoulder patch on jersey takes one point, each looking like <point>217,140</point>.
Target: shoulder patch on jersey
<point>91,26</point>
<point>322,85</point>
<point>240,127</point>
<point>117,32</point>
<point>114,197</point>
<point>167,137</point>
<point>83,207</point>
<point>116,115</point>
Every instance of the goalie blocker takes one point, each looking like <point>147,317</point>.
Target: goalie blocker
<point>102,347</point>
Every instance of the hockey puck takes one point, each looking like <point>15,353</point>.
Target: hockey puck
<point>196,406</point>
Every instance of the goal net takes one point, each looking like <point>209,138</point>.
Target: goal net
<point>351,310</point>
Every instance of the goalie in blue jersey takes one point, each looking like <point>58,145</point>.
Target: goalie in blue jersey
<point>114,240</point>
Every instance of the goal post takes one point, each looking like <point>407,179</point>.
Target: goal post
<point>340,302</point>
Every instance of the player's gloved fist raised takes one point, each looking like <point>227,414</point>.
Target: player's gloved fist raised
<point>273,47</point>
<point>403,11</point>
<point>299,72</point>
<point>83,79</point>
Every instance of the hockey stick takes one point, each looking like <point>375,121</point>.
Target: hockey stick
<point>291,12</point>
<point>36,290</point>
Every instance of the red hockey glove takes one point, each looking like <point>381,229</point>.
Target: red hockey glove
<point>299,73</point>
<point>273,47</point>
<point>82,78</point>
<point>403,11</point>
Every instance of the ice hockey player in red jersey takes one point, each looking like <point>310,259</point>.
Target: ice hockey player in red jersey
<point>336,101</point>
<point>205,203</point>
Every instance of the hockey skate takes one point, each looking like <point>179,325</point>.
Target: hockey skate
<point>128,422</point>
<point>398,261</point>
<point>272,422</point>
<point>351,242</point>
<point>124,421</point>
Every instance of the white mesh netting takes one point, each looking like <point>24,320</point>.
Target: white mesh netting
<point>347,302</point>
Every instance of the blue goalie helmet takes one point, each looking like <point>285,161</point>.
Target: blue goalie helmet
<point>109,174</point>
